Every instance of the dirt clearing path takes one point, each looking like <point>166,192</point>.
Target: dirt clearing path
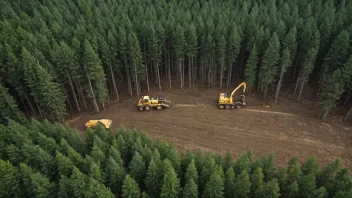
<point>194,121</point>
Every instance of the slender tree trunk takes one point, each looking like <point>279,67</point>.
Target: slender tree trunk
<point>326,113</point>
<point>301,89</point>
<point>183,73</point>
<point>348,97</point>
<point>128,76</point>
<point>73,91</point>
<point>146,66</point>
<point>169,71</point>
<point>202,73</point>
<point>25,106</point>
<point>229,76</point>
<point>180,71</point>
<point>189,73</point>
<point>265,93</point>
<point>83,99</point>
<point>209,77</point>
<point>30,104</point>
<point>68,100</point>
<point>221,74</point>
<point>348,114</point>
<point>95,104</point>
<point>279,84</point>
<point>165,68</point>
<point>147,76</point>
<point>114,83</point>
<point>51,115</point>
<point>158,75</point>
<point>298,79</point>
<point>40,112</point>
<point>136,77</point>
<point>194,72</point>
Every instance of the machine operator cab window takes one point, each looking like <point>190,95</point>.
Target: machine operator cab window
<point>145,99</point>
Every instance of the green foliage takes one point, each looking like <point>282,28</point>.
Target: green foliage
<point>331,91</point>
<point>230,183</point>
<point>9,108</point>
<point>95,73</point>
<point>9,180</point>
<point>95,171</point>
<point>174,158</point>
<point>64,164</point>
<point>36,184</point>
<point>130,188</point>
<point>257,180</point>
<point>137,168</point>
<point>191,173</point>
<point>153,179</point>
<point>338,53</point>
<point>242,184</point>
<point>43,88</point>
<point>251,68</point>
<point>114,175</point>
<point>38,167</point>
<point>214,187</point>
<point>272,189</point>
<point>171,184</point>
<point>268,70</point>
<point>190,190</point>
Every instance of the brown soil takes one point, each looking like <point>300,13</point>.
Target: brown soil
<point>194,121</point>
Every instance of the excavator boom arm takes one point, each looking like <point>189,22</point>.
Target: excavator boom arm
<point>239,86</point>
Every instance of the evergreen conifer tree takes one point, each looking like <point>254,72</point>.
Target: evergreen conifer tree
<point>130,188</point>
<point>9,182</point>
<point>153,179</point>
<point>171,184</point>
<point>330,93</point>
<point>214,187</point>
<point>251,68</point>
<point>9,108</point>
<point>95,76</point>
<point>242,184</point>
<point>258,185</point>
<point>338,53</point>
<point>137,168</point>
<point>230,183</point>
<point>268,70</point>
<point>190,190</point>
<point>114,175</point>
<point>285,63</point>
<point>191,173</point>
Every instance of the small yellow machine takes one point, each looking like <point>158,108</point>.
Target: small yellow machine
<point>146,103</point>
<point>93,123</point>
<point>226,99</point>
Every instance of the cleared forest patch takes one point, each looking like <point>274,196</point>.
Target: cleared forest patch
<point>194,121</point>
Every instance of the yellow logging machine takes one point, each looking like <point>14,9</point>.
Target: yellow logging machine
<point>226,99</point>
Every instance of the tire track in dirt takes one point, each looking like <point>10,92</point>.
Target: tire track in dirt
<point>193,124</point>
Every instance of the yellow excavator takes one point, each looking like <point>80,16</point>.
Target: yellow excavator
<point>146,103</point>
<point>226,99</point>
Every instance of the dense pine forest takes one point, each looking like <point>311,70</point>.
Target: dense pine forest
<point>51,160</point>
<point>63,56</point>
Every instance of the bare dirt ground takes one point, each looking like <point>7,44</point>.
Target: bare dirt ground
<point>287,129</point>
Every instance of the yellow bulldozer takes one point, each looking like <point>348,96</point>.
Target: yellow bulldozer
<point>146,103</point>
<point>226,99</point>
